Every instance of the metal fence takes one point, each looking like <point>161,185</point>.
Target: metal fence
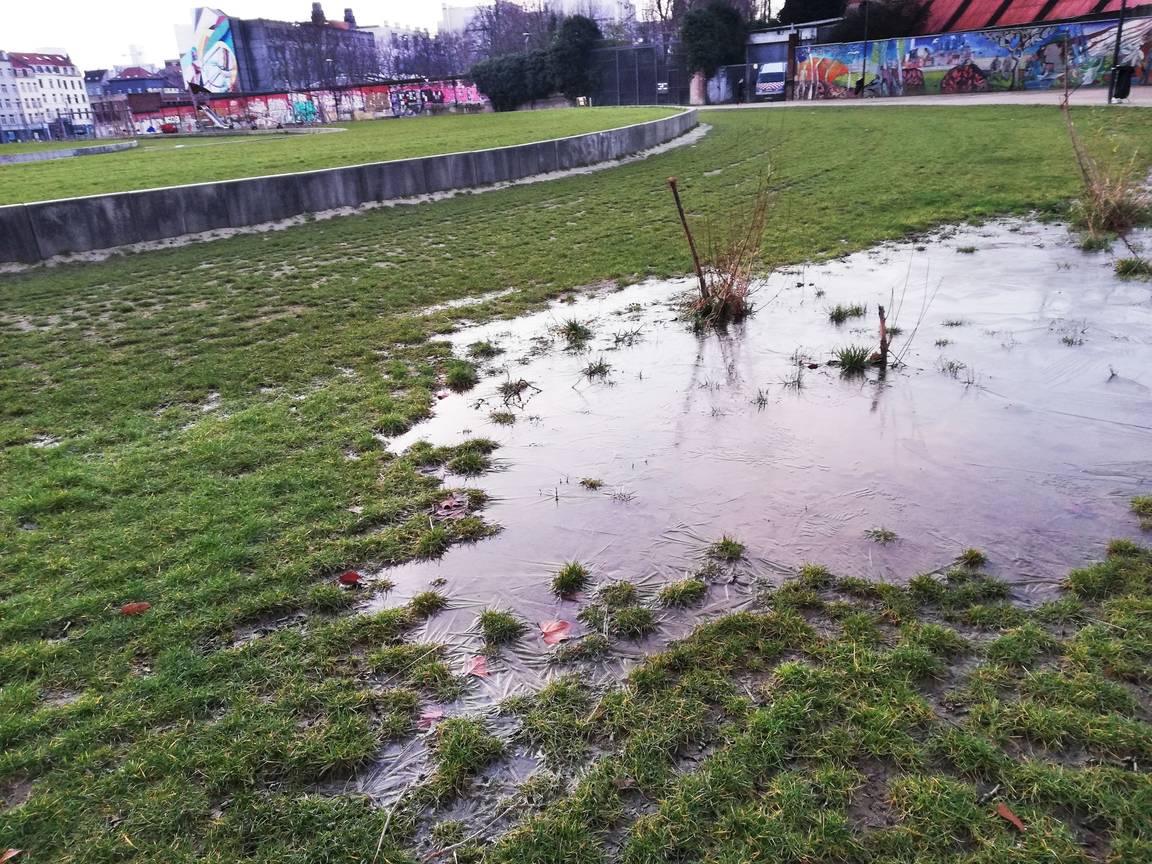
<point>639,75</point>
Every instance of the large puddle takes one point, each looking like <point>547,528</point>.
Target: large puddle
<point>1018,423</point>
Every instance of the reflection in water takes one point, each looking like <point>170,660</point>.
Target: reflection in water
<point>1018,424</point>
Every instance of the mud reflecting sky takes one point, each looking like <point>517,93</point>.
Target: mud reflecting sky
<point>1028,447</point>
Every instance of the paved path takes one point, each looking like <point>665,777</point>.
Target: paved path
<point>1141,96</point>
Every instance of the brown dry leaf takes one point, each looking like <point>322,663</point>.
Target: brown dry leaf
<point>1005,813</point>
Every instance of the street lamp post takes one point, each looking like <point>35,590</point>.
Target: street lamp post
<point>1116,50</point>
<point>864,59</point>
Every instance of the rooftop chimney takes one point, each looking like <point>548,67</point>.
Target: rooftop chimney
<point>349,18</point>
<point>318,14</point>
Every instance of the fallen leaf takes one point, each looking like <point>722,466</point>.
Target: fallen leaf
<point>350,577</point>
<point>813,365</point>
<point>429,717</point>
<point>9,855</point>
<point>555,631</point>
<point>455,506</point>
<point>1007,814</point>
<point>443,394</point>
<point>128,609</point>
<point>478,666</point>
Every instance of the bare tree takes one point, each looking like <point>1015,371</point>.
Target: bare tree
<point>508,28</point>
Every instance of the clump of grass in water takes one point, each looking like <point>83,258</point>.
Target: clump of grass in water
<point>840,313</point>
<point>966,250</point>
<point>503,418</point>
<point>591,483</point>
<point>460,375</point>
<point>634,622</point>
<point>329,599</point>
<point>469,463</point>
<point>951,367</point>
<point>575,333</point>
<point>954,322</point>
<point>881,535</point>
<point>597,369</point>
<point>591,647</point>
<point>726,549</point>
<point>852,359</point>
<point>484,350</point>
<point>1134,268</point>
<point>1095,242</point>
<point>513,389</point>
<point>617,594</point>
<point>684,592</point>
<point>943,343</point>
<point>499,628</point>
<point>569,579</point>
<point>1142,507</point>
<point>972,558</point>
<point>427,603</point>
<point>725,279</point>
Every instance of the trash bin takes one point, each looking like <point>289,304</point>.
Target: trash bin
<point>1122,81</point>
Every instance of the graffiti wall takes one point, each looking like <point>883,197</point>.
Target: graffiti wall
<point>268,111</point>
<point>1020,58</point>
<point>210,61</point>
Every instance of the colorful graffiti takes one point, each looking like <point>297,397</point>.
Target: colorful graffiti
<point>210,61</point>
<point>1020,58</point>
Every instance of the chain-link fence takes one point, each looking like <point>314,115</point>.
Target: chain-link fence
<point>639,75</point>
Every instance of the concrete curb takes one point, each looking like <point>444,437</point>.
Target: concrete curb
<point>65,153</point>
<point>42,230</point>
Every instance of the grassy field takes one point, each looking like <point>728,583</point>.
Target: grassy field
<point>174,429</point>
<point>160,161</point>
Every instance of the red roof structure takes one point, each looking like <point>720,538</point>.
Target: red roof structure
<point>948,15</point>
<point>136,72</point>
<point>40,59</point>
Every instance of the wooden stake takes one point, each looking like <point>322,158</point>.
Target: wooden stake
<point>691,242</point>
<point>883,338</point>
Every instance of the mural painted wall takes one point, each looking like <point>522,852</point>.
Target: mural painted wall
<point>267,111</point>
<point>210,61</point>
<point>1021,58</point>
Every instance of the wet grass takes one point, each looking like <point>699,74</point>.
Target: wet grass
<point>852,359</point>
<point>685,592</point>
<point>499,628</point>
<point>574,333</point>
<point>428,603</point>
<point>1133,268</point>
<point>725,549</point>
<point>181,741</point>
<point>973,558</point>
<point>1142,507</point>
<point>840,313</point>
<point>591,483</point>
<point>570,579</point>
<point>484,350</point>
<point>460,375</point>
<point>883,536</point>
<point>597,369</point>
<point>503,418</point>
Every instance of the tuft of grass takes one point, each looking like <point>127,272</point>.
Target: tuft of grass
<point>972,558</point>
<point>684,592</point>
<point>427,603</point>
<point>881,535</point>
<point>591,483</point>
<point>725,549</point>
<point>634,622</point>
<point>484,350</point>
<point>942,343</point>
<point>470,463</point>
<point>591,647</point>
<point>952,368</point>
<point>840,313</point>
<point>1134,268</point>
<point>852,359</point>
<point>329,599</point>
<point>597,369</point>
<point>513,389</point>
<point>966,250</point>
<point>954,322</point>
<point>499,628</point>
<point>617,594</point>
<point>574,333</point>
<point>1142,507</point>
<point>1090,242</point>
<point>461,748</point>
<point>460,375</point>
<point>570,579</point>
<point>503,418</point>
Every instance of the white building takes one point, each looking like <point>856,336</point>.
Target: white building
<point>42,96</point>
<point>456,19</point>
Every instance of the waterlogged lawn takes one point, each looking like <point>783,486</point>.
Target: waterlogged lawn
<point>161,161</point>
<point>195,429</point>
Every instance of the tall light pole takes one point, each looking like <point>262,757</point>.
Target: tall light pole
<point>1116,50</point>
<point>864,60</point>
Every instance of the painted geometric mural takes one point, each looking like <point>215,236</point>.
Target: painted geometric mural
<point>1021,58</point>
<point>210,60</point>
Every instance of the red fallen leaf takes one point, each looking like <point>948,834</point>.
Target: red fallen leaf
<point>350,577</point>
<point>555,631</point>
<point>429,717</point>
<point>9,855</point>
<point>478,666</point>
<point>129,609</point>
<point>1007,814</point>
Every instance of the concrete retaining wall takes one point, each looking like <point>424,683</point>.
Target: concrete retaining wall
<point>64,152</point>
<point>36,232</point>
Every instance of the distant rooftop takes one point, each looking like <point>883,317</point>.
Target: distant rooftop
<point>948,15</point>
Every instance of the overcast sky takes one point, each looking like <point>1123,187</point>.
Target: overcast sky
<point>101,34</point>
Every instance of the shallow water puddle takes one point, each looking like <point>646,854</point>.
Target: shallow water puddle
<point>1019,424</point>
